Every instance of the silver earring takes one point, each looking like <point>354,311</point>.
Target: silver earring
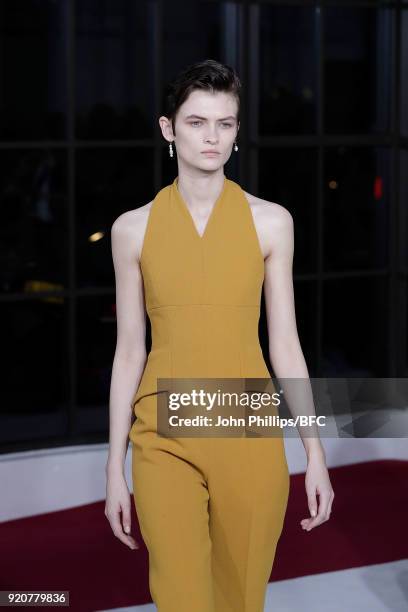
<point>170,149</point>
<point>235,146</point>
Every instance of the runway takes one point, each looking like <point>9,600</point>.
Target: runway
<point>54,534</point>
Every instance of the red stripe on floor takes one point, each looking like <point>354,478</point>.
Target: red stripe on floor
<point>76,550</point>
<point>367,524</point>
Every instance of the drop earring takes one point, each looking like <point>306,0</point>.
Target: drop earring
<point>235,146</point>
<point>170,149</point>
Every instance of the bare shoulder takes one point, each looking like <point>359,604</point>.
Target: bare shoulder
<point>271,212</point>
<point>131,226</point>
<point>272,222</point>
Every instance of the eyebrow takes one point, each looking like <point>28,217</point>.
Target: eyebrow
<point>198,117</point>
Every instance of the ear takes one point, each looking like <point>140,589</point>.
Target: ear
<point>166,128</point>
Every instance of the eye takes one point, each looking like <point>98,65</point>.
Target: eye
<point>227,124</point>
<point>193,122</point>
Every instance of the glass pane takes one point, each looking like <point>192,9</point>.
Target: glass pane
<point>357,69</point>
<point>193,31</point>
<point>289,178</point>
<point>109,182</point>
<point>356,209</point>
<point>404,72</point>
<point>405,348</point>
<point>96,341</point>
<point>404,206</point>
<point>287,70</point>
<point>33,68</point>
<point>114,79</point>
<point>33,230</point>
<point>34,388</point>
<point>355,330</point>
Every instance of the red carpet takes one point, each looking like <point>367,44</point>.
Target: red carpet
<point>367,524</point>
<point>75,549</point>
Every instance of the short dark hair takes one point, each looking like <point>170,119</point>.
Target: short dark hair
<point>208,75</point>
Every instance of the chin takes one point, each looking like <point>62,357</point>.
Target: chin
<point>213,167</point>
<point>214,161</point>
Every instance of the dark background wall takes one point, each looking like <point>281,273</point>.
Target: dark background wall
<point>324,132</point>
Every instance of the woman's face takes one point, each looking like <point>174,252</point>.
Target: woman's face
<point>206,121</point>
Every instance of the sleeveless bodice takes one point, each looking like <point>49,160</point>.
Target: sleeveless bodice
<point>202,293</point>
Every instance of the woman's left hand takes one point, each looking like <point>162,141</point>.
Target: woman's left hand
<point>317,481</point>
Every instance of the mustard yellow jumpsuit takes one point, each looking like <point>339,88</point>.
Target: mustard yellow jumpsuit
<point>210,510</point>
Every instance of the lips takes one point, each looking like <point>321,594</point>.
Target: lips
<point>214,152</point>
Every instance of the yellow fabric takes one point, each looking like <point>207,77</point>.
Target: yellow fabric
<point>202,294</point>
<point>210,510</point>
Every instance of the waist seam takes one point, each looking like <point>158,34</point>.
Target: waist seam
<point>201,304</point>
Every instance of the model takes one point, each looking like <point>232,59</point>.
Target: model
<point>210,509</point>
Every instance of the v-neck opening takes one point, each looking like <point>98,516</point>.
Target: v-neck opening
<point>184,207</point>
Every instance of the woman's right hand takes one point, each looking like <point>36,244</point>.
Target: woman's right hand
<point>117,507</point>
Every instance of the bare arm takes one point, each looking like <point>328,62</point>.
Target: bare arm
<point>288,361</point>
<point>130,353</point>
<point>285,351</point>
<point>128,365</point>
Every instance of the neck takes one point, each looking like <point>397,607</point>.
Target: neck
<point>200,191</point>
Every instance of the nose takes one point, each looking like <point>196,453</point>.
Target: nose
<point>212,136</point>
<point>211,140</point>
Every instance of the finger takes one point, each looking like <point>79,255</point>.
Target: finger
<point>126,521</point>
<point>128,540</point>
<point>117,528</point>
<point>324,499</point>
<point>330,504</point>
<point>132,542</point>
<point>312,502</point>
<point>326,505</point>
<point>114,521</point>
